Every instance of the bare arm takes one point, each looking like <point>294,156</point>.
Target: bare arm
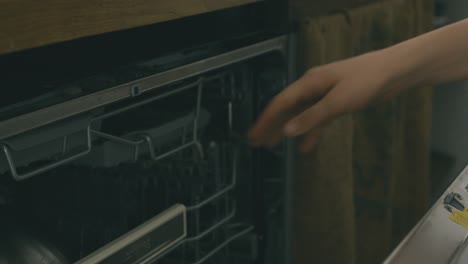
<point>436,57</point>
<point>325,92</point>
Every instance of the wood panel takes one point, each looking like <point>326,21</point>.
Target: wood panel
<point>307,8</point>
<point>30,23</point>
<point>323,195</point>
<point>371,167</point>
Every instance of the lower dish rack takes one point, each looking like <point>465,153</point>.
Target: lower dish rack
<point>87,208</point>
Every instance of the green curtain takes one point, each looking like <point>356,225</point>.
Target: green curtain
<point>367,182</point>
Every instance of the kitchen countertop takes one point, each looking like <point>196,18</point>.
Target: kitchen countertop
<point>29,23</point>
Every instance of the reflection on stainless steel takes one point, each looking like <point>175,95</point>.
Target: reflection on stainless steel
<point>152,237</point>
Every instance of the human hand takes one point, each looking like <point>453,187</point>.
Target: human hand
<point>321,95</point>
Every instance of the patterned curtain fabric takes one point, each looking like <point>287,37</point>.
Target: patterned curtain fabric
<point>367,183</point>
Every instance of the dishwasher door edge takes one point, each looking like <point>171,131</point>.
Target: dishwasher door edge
<point>437,239</point>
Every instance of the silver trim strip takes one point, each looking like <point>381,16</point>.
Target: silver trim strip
<point>73,107</point>
<point>139,232</point>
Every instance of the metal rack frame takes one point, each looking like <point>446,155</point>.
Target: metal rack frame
<point>89,102</point>
<point>49,115</point>
<point>63,160</point>
<point>145,138</point>
<point>200,234</point>
<point>222,222</point>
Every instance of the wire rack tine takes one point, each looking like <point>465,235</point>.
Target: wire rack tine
<point>213,227</point>
<point>225,190</point>
<point>200,236</point>
<point>224,244</point>
<point>194,142</point>
<point>166,154</point>
<point>197,206</point>
<point>199,84</point>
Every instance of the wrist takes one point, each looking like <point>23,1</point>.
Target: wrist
<point>402,67</point>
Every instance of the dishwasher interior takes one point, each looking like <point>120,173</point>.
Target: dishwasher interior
<point>165,175</point>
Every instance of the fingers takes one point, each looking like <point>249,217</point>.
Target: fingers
<point>269,128</point>
<point>310,140</point>
<point>316,116</point>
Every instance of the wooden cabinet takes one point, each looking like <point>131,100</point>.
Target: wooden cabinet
<point>302,8</point>
<point>26,24</point>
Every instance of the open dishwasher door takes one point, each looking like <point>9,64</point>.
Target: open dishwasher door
<point>441,236</point>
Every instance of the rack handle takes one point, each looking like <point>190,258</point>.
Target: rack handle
<point>67,158</point>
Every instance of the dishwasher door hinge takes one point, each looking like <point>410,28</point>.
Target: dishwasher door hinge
<point>454,200</point>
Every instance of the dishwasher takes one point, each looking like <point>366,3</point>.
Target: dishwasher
<point>149,163</point>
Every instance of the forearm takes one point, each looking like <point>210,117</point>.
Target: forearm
<point>433,58</point>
